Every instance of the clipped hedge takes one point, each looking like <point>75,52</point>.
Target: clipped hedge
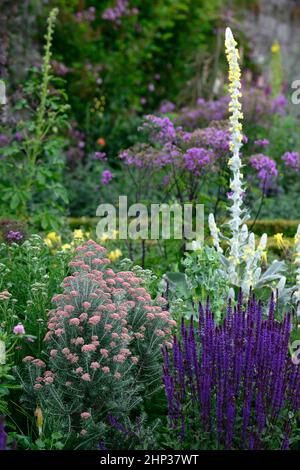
<point>271,227</point>
<point>87,223</point>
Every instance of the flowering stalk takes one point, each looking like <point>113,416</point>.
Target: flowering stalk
<point>234,162</point>
<point>242,265</point>
<point>297,262</point>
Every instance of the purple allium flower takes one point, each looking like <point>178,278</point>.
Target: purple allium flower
<point>151,87</point>
<point>261,142</point>
<point>292,160</point>
<point>265,166</point>
<point>14,236</point>
<point>19,329</point>
<point>106,176</point>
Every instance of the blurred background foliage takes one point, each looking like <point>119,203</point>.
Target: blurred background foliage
<point>115,61</point>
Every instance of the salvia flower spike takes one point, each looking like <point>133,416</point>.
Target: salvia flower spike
<point>233,383</point>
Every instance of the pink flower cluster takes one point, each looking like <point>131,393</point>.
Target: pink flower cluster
<point>101,323</point>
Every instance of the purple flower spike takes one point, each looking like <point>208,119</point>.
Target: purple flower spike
<point>234,383</point>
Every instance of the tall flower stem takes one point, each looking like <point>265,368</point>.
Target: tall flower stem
<point>235,163</point>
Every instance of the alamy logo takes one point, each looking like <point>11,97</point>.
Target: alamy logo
<point>163,221</point>
<point>2,93</point>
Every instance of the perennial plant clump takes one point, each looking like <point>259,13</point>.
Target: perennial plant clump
<point>233,386</point>
<point>102,347</point>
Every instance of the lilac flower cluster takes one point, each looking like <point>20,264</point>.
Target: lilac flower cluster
<point>204,112</point>
<point>106,176</point>
<point>120,10</point>
<point>14,236</point>
<point>265,166</point>
<point>143,156</point>
<point>195,159</point>
<point>256,102</point>
<point>161,129</point>
<point>191,151</point>
<point>234,383</point>
<point>292,160</point>
<point>216,138</point>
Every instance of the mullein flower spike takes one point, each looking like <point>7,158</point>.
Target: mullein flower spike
<point>297,262</point>
<point>242,265</point>
<point>234,163</point>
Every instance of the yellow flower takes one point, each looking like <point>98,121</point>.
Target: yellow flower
<point>48,242</point>
<point>39,419</point>
<point>115,254</point>
<point>264,257</point>
<point>66,246</point>
<point>104,237</point>
<point>52,240</point>
<point>275,47</point>
<point>53,237</point>
<point>278,237</point>
<point>78,234</point>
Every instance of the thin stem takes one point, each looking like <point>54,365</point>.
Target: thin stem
<point>260,206</point>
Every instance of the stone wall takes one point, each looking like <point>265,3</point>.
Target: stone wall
<point>269,20</point>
